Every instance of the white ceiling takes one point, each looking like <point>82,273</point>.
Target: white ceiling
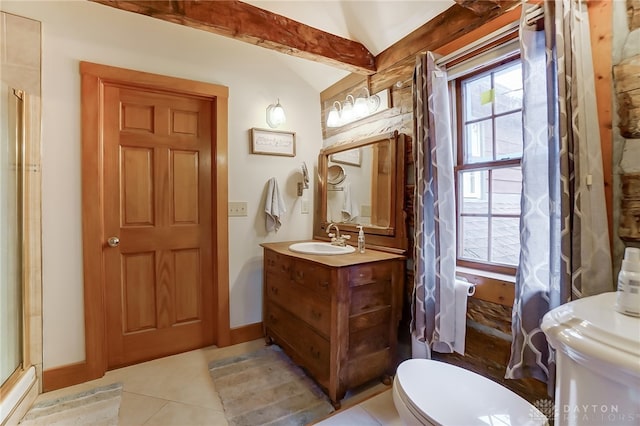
<point>377,24</point>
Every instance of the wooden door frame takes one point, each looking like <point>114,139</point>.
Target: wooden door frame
<point>94,77</point>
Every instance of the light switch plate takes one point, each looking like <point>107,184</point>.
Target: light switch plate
<point>237,208</point>
<point>305,206</point>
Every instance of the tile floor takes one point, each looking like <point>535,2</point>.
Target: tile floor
<point>177,390</point>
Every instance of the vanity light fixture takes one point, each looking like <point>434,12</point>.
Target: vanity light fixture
<point>352,108</point>
<point>275,115</point>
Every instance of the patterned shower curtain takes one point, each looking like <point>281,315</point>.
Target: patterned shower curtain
<point>432,325</point>
<point>563,230</point>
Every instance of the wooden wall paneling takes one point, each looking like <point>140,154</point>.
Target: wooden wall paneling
<point>627,85</point>
<point>488,355</point>
<point>633,12</point>
<point>600,26</point>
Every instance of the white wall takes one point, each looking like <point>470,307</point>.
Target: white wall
<point>75,31</point>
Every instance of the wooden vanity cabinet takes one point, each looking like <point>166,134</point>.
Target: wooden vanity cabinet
<point>336,316</point>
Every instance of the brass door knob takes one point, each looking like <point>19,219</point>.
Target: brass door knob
<point>113,241</point>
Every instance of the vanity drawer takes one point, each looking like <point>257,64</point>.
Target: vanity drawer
<point>369,273</point>
<point>371,297</point>
<point>312,276</point>
<point>368,341</point>
<point>277,264</point>
<point>315,311</point>
<point>370,319</point>
<point>311,347</point>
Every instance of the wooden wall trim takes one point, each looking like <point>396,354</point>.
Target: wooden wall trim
<point>67,375</point>
<point>221,228</point>
<point>247,333</point>
<point>490,289</point>
<point>601,31</point>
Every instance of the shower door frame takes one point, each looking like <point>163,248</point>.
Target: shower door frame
<point>24,384</point>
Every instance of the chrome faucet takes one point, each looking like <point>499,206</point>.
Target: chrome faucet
<point>337,239</point>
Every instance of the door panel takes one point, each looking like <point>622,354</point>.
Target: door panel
<point>138,290</point>
<point>187,267</point>
<point>184,186</point>
<point>136,187</point>
<point>159,290</point>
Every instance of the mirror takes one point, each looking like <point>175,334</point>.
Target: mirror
<point>362,183</point>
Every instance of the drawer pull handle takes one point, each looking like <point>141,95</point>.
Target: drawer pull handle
<point>316,315</point>
<point>324,284</point>
<point>274,290</point>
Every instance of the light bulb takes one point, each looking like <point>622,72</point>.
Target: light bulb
<point>360,108</point>
<point>333,118</point>
<point>347,110</point>
<point>275,115</point>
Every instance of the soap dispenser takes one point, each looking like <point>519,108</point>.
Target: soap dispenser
<point>360,239</point>
<point>628,295</point>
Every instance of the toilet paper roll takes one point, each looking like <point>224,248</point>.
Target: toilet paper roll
<point>463,289</point>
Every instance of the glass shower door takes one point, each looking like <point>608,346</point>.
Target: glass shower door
<point>11,282</point>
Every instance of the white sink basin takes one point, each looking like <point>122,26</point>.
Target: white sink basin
<point>315,247</point>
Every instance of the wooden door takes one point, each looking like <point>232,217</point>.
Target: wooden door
<point>157,204</point>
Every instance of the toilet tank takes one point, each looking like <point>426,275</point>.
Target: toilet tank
<point>597,362</point>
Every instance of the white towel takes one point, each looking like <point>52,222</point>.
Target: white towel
<point>350,209</point>
<point>463,290</point>
<point>274,206</point>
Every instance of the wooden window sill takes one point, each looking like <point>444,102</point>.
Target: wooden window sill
<point>490,286</point>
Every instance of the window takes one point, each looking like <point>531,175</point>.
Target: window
<point>488,107</point>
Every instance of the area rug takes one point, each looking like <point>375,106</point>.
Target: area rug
<point>266,388</point>
<point>99,406</point>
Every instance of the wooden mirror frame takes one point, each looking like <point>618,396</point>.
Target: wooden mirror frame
<point>391,239</point>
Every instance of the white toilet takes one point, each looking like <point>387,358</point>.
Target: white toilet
<point>427,392</point>
<point>597,362</point>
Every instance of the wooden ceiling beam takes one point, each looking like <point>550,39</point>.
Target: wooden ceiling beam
<point>479,7</point>
<point>251,24</point>
<point>448,26</point>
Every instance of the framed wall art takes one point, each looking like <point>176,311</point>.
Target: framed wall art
<point>273,142</point>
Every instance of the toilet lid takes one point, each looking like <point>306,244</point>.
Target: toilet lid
<point>448,395</point>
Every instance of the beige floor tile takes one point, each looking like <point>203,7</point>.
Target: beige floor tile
<point>362,393</point>
<point>136,409</point>
<point>178,414</point>
<point>381,407</point>
<point>180,378</point>
<point>351,416</point>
